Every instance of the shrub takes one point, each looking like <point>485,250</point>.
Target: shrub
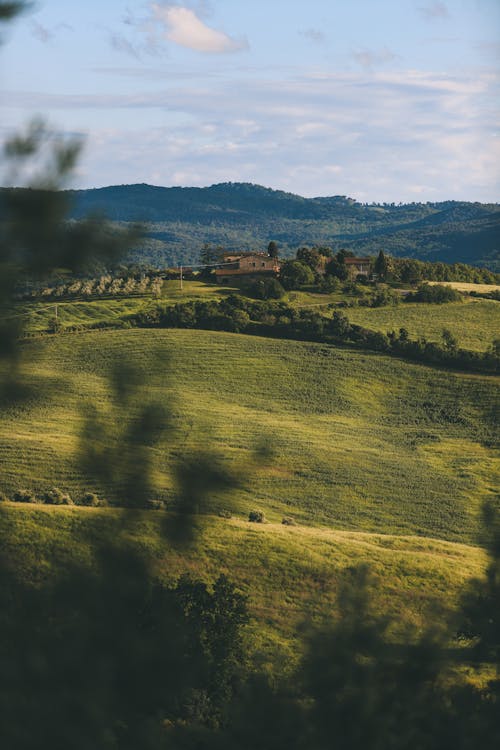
<point>155,504</point>
<point>24,496</point>
<point>287,521</point>
<point>55,496</point>
<point>434,293</point>
<point>224,513</point>
<point>91,500</point>
<point>266,289</point>
<point>256,516</point>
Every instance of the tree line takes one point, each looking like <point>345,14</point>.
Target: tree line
<point>239,314</point>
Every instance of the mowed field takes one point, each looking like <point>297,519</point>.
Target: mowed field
<point>377,461</point>
<point>358,441</point>
<point>474,322</point>
<point>290,574</point>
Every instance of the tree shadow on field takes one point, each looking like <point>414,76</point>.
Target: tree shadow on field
<point>102,654</point>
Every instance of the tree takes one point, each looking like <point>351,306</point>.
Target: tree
<point>337,267</point>
<point>481,600</point>
<point>411,271</point>
<point>210,257</point>
<point>324,250</point>
<point>272,249</point>
<point>294,274</point>
<point>381,266</point>
<point>309,256</point>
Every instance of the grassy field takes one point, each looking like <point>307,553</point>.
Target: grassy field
<point>360,441</point>
<point>91,312</point>
<point>475,323</point>
<point>290,574</point>
<point>464,286</point>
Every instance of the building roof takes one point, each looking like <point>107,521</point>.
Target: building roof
<point>236,256</point>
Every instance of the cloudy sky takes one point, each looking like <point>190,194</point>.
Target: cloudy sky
<point>382,100</point>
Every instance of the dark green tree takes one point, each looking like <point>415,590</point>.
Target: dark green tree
<point>273,249</point>
<point>294,274</point>
<point>309,256</point>
<point>381,266</point>
<point>337,268</point>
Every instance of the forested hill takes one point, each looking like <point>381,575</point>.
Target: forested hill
<point>245,216</point>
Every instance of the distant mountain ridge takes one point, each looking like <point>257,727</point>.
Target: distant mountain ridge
<point>243,216</point>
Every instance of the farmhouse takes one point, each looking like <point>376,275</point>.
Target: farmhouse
<point>246,266</point>
<point>358,267</point>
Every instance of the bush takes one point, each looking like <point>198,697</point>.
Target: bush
<point>287,521</point>
<point>91,500</point>
<point>383,297</point>
<point>434,293</point>
<point>155,504</point>
<point>266,289</point>
<point>24,496</point>
<point>55,496</point>
<point>224,513</point>
<point>256,516</point>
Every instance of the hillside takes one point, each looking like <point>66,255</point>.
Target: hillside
<point>178,221</point>
<point>240,215</point>
<point>375,460</point>
<point>359,441</point>
<point>291,574</point>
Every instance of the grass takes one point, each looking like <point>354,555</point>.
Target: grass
<point>475,323</point>
<point>465,286</point>
<point>87,313</point>
<point>361,442</point>
<point>291,575</point>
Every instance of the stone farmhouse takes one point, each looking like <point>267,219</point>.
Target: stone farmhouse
<point>242,266</point>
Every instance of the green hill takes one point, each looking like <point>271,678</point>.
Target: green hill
<point>290,574</point>
<point>178,221</point>
<point>376,461</point>
<point>360,441</point>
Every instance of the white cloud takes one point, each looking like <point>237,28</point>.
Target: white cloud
<point>182,26</point>
<point>373,135</point>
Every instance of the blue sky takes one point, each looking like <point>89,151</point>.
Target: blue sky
<point>382,100</point>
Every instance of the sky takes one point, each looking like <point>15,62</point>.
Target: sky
<point>380,100</point>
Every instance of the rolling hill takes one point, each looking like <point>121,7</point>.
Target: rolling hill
<point>241,215</point>
<point>179,220</point>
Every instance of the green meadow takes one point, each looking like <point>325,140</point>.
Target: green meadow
<point>474,322</point>
<point>290,574</point>
<point>111,310</point>
<point>374,460</point>
<point>358,441</point>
